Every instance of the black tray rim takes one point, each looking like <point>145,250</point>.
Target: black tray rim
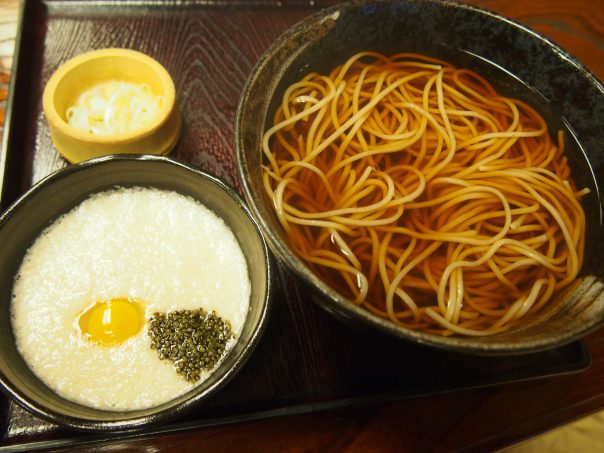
<point>88,439</point>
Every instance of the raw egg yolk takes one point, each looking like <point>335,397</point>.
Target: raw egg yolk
<point>112,321</point>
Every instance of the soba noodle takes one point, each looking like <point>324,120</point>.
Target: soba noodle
<point>416,190</point>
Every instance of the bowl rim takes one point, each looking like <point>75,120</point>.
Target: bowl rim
<point>331,300</point>
<point>129,420</point>
<point>57,122</point>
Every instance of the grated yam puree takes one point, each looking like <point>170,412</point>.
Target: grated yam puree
<point>157,246</point>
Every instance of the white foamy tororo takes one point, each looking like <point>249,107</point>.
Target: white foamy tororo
<point>158,246</point>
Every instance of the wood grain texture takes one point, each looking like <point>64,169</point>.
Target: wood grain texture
<point>8,32</point>
<point>469,420</point>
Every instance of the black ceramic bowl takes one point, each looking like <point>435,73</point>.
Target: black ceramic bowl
<point>519,62</point>
<point>65,189</point>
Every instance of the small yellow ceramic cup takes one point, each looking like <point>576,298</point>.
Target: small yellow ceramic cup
<point>84,71</point>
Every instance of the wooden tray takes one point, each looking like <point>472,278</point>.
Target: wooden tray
<point>306,361</point>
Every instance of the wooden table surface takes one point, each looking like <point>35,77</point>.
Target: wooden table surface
<point>476,420</point>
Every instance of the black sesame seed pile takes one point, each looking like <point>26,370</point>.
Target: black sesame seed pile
<point>193,340</point>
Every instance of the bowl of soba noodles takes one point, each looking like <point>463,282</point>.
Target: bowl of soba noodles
<point>430,170</point>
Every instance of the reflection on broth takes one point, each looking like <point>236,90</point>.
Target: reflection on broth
<point>424,195</point>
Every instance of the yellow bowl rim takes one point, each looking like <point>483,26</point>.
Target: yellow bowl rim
<point>57,122</point>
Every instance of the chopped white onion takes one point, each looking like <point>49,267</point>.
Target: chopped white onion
<point>114,107</point>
